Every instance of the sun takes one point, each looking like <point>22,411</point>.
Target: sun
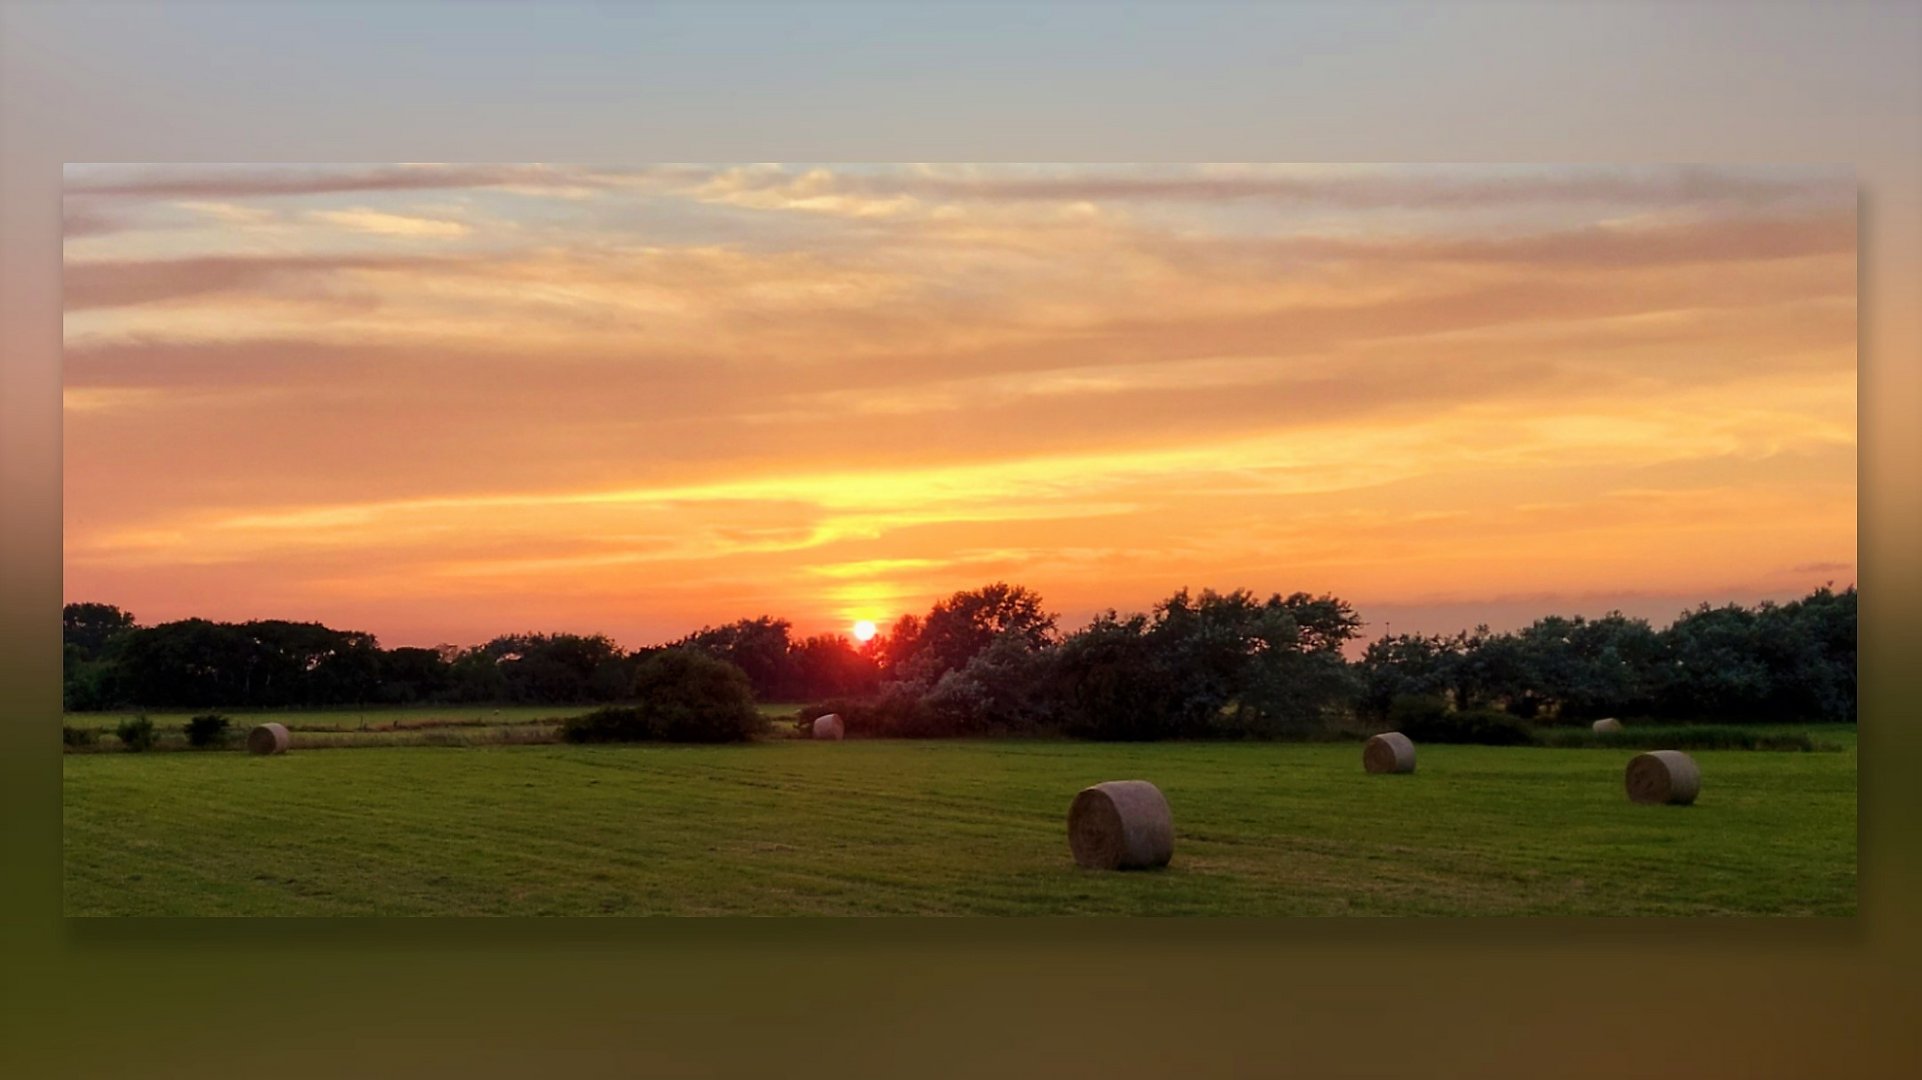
<point>864,631</point>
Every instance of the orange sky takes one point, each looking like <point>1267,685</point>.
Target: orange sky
<point>444,402</point>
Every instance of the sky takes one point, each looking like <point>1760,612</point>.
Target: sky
<point>442,402</point>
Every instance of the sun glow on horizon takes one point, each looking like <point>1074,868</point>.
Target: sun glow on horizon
<point>864,630</point>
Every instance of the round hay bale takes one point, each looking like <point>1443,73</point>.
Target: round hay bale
<point>1607,726</point>
<point>267,739</point>
<point>1121,825</point>
<point>1389,752</point>
<point>1663,776</point>
<point>829,727</point>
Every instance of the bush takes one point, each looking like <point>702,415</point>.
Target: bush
<point>136,734</point>
<point>1427,719</point>
<point>899,711</point>
<point>685,696</point>
<point>1003,689</point>
<point>616,723</point>
<point>209,730</point>
<point>843,707</point>
<point>75,736</point>
<point>92,686</point>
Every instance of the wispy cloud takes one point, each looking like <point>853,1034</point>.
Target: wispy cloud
<point>124,284</point>
<point>1822,568</point>
<point>362,219</point>
<point>76,222</point>
<point>231,213</point>
<point>1348,187</point>
<point>638,399</point>
<point>266,181</point>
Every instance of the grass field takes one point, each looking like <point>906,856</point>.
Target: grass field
<point>418,725</point>
<point>341,719</point>
<point>890,827</point>
<point>479,725</point>
<point>350,719</point>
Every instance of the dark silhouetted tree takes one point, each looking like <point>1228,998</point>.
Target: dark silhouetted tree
<point>759,647</point>
<point>830,665</point>
<point>688,695</point>
<point>958,628</point>
<point>89,628</point>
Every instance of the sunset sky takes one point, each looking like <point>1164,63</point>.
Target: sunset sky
<point>442,402</point>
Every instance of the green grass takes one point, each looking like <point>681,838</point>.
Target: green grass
<point>422,725</point>
<point>886,827</point>
<point>344,719</point>
<point>351,719</point>
<point>1804,737</point>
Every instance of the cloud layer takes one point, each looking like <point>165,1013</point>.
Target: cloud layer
<point>442,401</point>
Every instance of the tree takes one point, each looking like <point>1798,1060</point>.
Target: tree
<point>1248,667</point>
<point>759,647</point>
<point>545,669</point>
<point>1585,668</point>
<point>475,675</point>
<point>1003,688</point>
<point>1793,661</point>
<point>690,696</point>
<point>292,663</point>
<point>892,648</point>
<point>89,685</point>
<point>1217,664</point>
<point>1293,692</point>
<point>1406,665</point>
<point>1712,667</point>
<point>958,628</point>
<point>1494,669</point>
<point>1616,657</point>
<point>828,666</point>
<point>189,662</point>
<point>1109,683</point>
<point>89,628</point>
<point>1816,675</point>
<point>89,669</point>
<point>1205,646</point>
<point>270,662</point>
<point>1324,624</point>
<point>411,674</point>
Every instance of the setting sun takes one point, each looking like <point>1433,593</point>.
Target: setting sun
<point>864,630</point>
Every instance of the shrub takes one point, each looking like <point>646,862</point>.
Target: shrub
<point>136,734</point>
<point>1426,719</point>
<point>685,696</point>
<point>899,711</point>
<point>91,685</point>
<point>844,707</point>
<point>75,736</point>
<point>208,730</point>
<point>1004,688</point>
<point>616,723</point>
<point>1408,709</point>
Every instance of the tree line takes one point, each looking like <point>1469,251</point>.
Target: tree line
<point>112,662</point>
<point>994,660</point>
